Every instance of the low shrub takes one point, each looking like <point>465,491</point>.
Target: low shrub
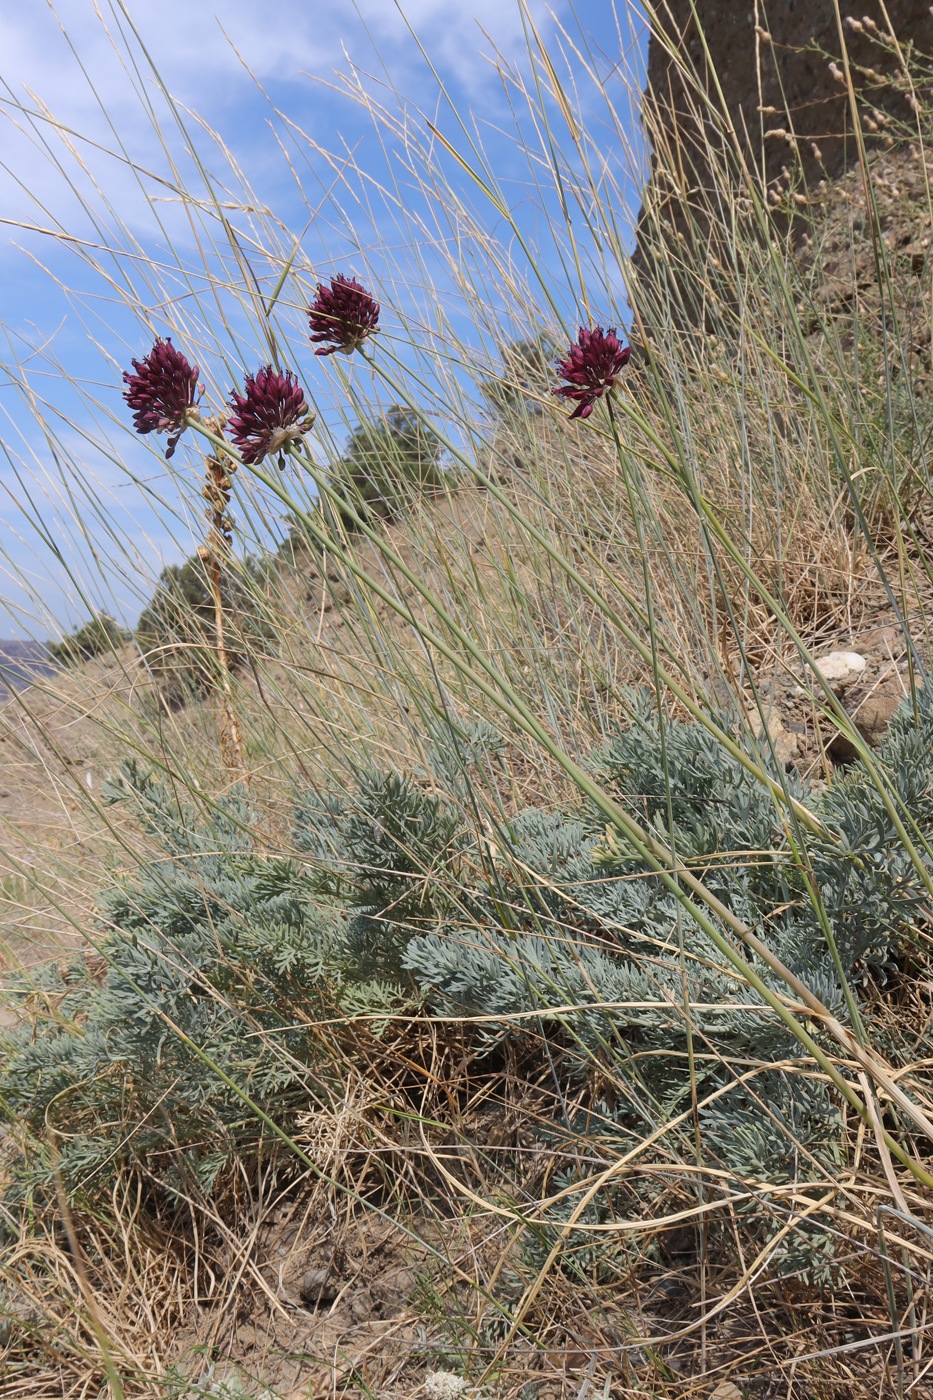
<point>387,462</point>
<point>207,954</point>
<point>177,630</point>
<point>220,957</point>
<point>99,636</point>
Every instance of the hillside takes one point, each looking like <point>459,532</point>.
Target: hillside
<point>21,663</point>
<point>542,1008</point>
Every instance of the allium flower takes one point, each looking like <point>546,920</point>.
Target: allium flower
<point>344,313</point>
<point>268,415</point>
<point>595,361</point>
<point>160,391</point>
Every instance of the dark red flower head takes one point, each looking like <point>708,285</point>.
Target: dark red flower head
<point>160,391</point>
<point>595,361</point>
<point>268,415</point>
<point>344,313</point>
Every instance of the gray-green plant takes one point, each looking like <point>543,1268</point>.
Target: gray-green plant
<point>554,935</point>
<point>699,971</point>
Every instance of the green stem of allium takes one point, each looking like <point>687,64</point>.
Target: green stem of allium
<point>633,638</point>
<point>703,508</point>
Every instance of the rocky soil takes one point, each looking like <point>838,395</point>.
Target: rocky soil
<point>780,70</point>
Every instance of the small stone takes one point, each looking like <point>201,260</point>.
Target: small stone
<point>886,640</point>
<point>782,740</point>
<point>726,1390</point>
<point>840,668</point>
<point>874,715</point>
<point>317,1288</point>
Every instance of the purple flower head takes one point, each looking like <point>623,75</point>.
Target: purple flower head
<point>343,313</point>
<point>160,391</point>
<point>270,412</point>
<point>595,361</point>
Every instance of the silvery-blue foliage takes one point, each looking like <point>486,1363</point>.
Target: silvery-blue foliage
<point>549,929</point>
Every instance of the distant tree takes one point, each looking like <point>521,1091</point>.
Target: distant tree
<point>526,376</point>
<point>177,630</point>
<point>387,461</point>
<point>98,636</point>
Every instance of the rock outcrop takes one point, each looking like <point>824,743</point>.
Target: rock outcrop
<point>737,83</point>
<point>781,72</point>
<point>769,83</point>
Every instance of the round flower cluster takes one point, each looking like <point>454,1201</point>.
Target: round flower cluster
<point>271,411</point>
<point>268,414</point>
<point>591,368</point>
<point>343,314</point>
<point>160,391</point>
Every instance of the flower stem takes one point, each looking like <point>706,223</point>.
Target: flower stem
<point>217,488</point>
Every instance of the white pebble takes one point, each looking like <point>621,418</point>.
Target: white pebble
<point>840,668</point>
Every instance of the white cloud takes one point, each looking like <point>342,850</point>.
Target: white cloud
<point>199,48</point>
<point>86,63</point>
<point>198,45</point>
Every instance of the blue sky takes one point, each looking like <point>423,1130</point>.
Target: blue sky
<point>88,514</point>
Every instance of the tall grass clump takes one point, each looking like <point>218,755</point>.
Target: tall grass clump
<point>490,996</point>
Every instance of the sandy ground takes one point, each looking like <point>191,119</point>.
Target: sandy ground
<point>56,747</point>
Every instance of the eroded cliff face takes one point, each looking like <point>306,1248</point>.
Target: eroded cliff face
<point>746,93</point>
<point>780,69</point>
<point>856,273</point>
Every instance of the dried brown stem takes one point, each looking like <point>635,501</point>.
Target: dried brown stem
<point>217,488</point>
